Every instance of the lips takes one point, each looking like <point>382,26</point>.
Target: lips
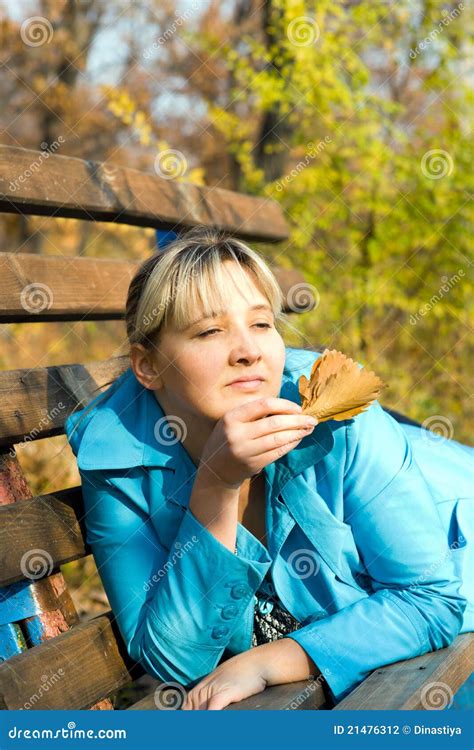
<point>246,379</point>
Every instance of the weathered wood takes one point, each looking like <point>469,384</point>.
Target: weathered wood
<point>38,288</point>
<point>425,682</point>
<point>295,696</point>
<point>31,183</point>
<point>35,403</point>
<point>30,597</point>
<point>76,669</point>
<point>42,609</point>
<point>51,523</point>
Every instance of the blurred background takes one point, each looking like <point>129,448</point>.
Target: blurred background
<point>354,115</point>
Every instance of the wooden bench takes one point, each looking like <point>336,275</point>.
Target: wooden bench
<point>50,658</point>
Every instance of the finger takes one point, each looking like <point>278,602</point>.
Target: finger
<point>273,455</point>
<point>218,702</point>
<point>278,423</point>
<point>188,703</point>
<point>260,407</point>
<point>278,439</point>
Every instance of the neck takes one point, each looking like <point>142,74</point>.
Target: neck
<point>197,430</point>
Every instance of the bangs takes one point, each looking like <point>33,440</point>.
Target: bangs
<point>201,286</point>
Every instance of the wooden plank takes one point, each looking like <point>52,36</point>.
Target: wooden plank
<point>35,403</point>
<point>425,682</point>
<point>305,695</point>
<point>74,670</point>
<point>43,608</point>
<point>51,523</point>
<point>32,596</point>
<point>38,288</point>
<point>69,187</point>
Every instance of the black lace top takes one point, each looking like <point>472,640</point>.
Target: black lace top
<point>271,619</point>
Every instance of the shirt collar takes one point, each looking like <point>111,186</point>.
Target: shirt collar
<point>128,428</point>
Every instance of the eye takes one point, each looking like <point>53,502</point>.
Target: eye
<point>206,333</point>
<point>211,330</point>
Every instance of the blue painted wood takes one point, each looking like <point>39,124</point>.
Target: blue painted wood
<point>12,641</point>
<point>34,630</point>
<point>17,601</point>
<point>164,237</point>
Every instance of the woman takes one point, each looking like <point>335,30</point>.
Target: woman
<point>238,545</point>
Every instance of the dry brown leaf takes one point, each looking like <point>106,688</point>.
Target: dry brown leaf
<point>338,388</point>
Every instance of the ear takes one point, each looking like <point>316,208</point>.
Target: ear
<point>145,367</point>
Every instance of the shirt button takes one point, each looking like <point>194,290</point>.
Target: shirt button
<point>238,591</point>
<point>219,631</point>
<point>229,611</point>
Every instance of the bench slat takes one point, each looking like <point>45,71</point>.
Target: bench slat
<point>295,696</point>
<point>74,670</point>
<point>53,185</point>
<point>409,684</point>
<point>35,403</point>
<point>50,523</point>
<point>39,288</point>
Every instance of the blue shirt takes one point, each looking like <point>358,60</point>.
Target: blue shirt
<point>369,527</point>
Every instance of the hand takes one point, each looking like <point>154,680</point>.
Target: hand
<point>232,681</point>
<point>252,435</point>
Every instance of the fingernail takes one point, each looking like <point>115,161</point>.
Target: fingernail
<point>311,421</point>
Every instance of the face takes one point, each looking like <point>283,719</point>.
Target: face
<point>191,372</point>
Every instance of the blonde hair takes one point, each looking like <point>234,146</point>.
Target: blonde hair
<point>168,287</point>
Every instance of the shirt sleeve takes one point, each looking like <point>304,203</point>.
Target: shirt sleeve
<point>176,609</point>
<point>415,605</point>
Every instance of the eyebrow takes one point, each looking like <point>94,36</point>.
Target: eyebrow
<point>207,317</point>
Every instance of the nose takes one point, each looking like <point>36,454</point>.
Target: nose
<point>245,349</point>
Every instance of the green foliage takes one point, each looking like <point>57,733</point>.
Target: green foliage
<point>379,224</point>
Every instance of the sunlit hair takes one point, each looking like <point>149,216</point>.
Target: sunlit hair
<point>185,281</point>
